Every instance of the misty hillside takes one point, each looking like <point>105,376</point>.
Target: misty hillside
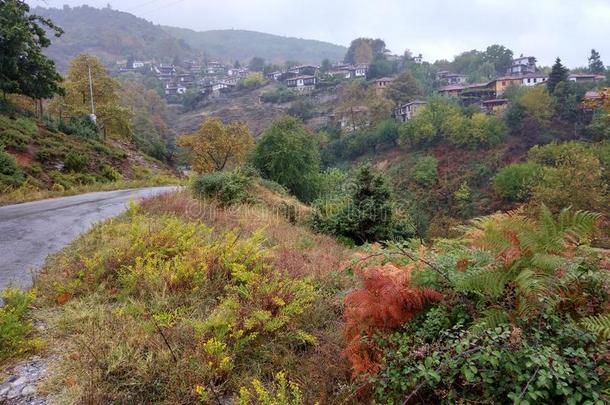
<point>109,34</point>
<point>243,45</point>
<point>114,35</point>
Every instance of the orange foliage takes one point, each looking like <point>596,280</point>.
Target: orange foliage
<point>383,304</point>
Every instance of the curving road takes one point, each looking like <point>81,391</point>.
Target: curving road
<point>30,232</point>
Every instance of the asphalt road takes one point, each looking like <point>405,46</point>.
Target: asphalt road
<point>30,232</point>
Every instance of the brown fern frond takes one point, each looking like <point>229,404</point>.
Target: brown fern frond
<point>383,304</point>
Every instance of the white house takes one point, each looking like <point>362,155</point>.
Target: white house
<point>301,83</point>
<point>408,111</point>
<point>532,79</point>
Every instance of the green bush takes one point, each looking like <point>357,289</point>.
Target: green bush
<point>515,182</point>
<point>227,187</point>
<point>425,170</point>
<point>82,127</point>
<point>15,327</point>
<point>366,214</point>
<point>278,96</point>
<point>11,138</point>
<point>10,173</point>
<point>75,162</point>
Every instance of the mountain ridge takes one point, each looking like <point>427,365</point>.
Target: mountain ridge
<point>114,35</point>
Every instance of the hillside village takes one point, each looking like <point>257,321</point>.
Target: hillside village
<point>338,224</point>
<point>213,79</point>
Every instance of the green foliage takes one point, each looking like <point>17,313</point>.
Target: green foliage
<point>281,392</point>
<point>17,133</point>
<point>443,120</point>
<point>252,81</point>
<point>24,69</point>
<point>288,155</point>
<point>599,128</point>
<point>572,175</point>
<point>559,73</point>
<point>365,214</point>
<point>554,362</point>
<point>10,173</point>
<point>75,162</point>
<point>595,63</point>
<point>279,95</point>
<point>301,108</point>
<point>515,182</point>
<point>16,329</point>
<point>524,318</point>
<point>403,89</point>
<point>425,170</point>
<point>228,187</point>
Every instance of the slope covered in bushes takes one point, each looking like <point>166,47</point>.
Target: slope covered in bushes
<point>56,157</point>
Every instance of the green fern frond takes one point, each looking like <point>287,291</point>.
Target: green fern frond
<point>599,324</point>
<point>490,320</point>
<point>548,263</point>
<point>484,281</point>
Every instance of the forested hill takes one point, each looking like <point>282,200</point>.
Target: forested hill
<point>109,34</point>
<point>243,45</point>
<point>114,35</point>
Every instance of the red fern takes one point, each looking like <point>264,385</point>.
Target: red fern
<point>383,304</point>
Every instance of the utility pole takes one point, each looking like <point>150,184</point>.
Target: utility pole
<point>93,117</point>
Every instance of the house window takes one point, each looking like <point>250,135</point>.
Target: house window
<point>530,80</point>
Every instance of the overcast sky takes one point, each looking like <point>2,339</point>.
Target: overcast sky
<point>436,28</point>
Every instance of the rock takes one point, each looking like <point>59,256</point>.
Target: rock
<point>20,381</point>
<point>28,390</point>
<point>14,392</point>
<point>4,388</point>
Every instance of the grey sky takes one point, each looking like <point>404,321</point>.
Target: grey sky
<point>436,28</point>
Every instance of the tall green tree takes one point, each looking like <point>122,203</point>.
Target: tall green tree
<point>23,67</point>
<point>499,56</point>
<point>288,154</point>
<point>257,64</point>
<point>595,63</point>
<point>559,73</point>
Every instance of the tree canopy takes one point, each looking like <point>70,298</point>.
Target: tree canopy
<point>595,63</point>
<point>24,69</point>
<point>216,146</point>
<point>559,73</point>
<point>288,154</point>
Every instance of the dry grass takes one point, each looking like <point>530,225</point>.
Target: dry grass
<point>137,311</point>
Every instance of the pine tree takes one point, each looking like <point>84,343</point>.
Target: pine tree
<point>559,73</point>
<point>595,63</point>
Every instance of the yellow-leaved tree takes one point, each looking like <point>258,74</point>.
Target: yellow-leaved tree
<point>216,146</point>
<point>112,117</point>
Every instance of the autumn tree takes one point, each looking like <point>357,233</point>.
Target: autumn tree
<point>595,63</point>
<point>365,50</point>
<point>216,146</point>
<point>24,69</point>
<point>112,116</point>
<point>151,130</point>
<point>403,89</point>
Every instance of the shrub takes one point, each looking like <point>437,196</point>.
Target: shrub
<point>82,127</point>
<point>228,187</point>
<point>425,170</point>
<point>515,182</point>
<point>523,315</point>
<point>11,138</point>
<point>302,109</point>
<point>75,162</point>
<point>279,96</point>
<point>281,392</point>
<point>16,328</point>
<point>253,80</point>
<point>367,214</point>
<point>11,174</point>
